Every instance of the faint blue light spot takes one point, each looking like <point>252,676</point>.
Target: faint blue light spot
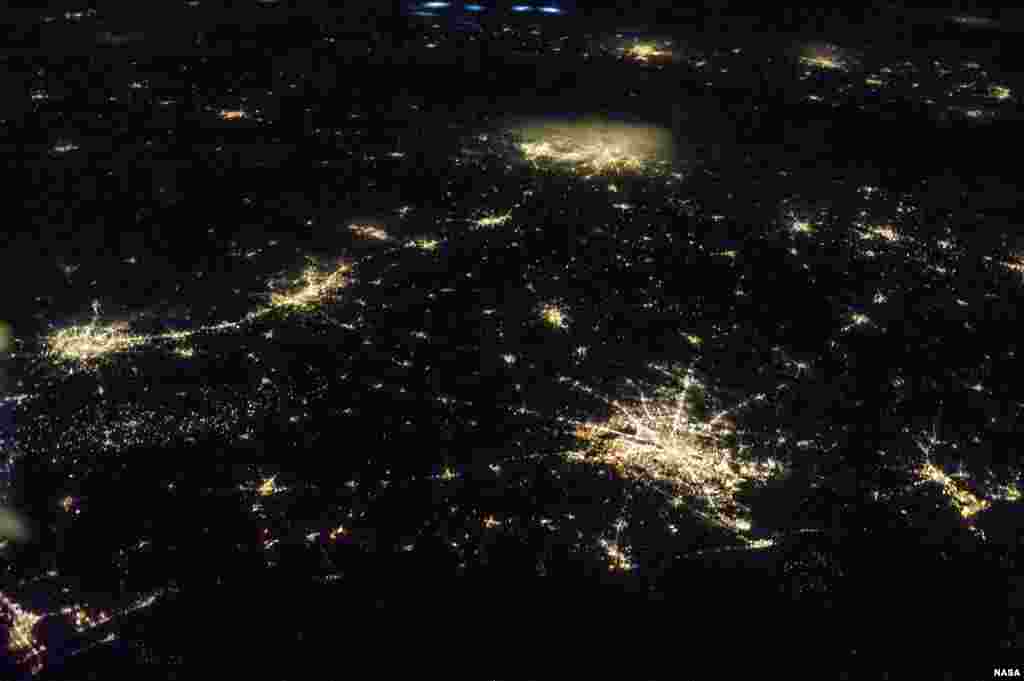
<point>435,5</point>
<point>521,8</point>
<point>474,8</point>
<point>551,10</point>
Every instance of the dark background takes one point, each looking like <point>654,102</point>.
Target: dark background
<point>232,615</point>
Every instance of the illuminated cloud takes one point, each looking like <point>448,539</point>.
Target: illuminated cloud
<point>12,526</point>
<point>594,146</point>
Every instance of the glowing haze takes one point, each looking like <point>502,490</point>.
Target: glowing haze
<point>594,145</point>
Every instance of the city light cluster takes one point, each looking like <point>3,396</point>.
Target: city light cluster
<point>493,219</point>
<point>965,502</point>
<point>369,231</point>
<point>661,440</point>
<point>268,487</point>
<point>645,52</point>
<point>22,641</point>
<point>593,158</point>
<point>619,559</point>
<point>90,342</point>
<point>884,232</point>
<point>825,56</point>
<point>554,315</point>
<point>313,287</point>
<point>999,92</point>
<point>82,620</point>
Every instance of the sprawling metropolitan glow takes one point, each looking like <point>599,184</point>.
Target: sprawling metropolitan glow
<point>594,146</point>
<point>22,642</point>
<point>660,440</point>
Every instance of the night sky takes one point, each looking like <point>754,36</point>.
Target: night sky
<point>540,331</point>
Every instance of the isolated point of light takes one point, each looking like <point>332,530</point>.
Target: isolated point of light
<point>521,8</point>
<point>551,10</point>
<point>435,5</point>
